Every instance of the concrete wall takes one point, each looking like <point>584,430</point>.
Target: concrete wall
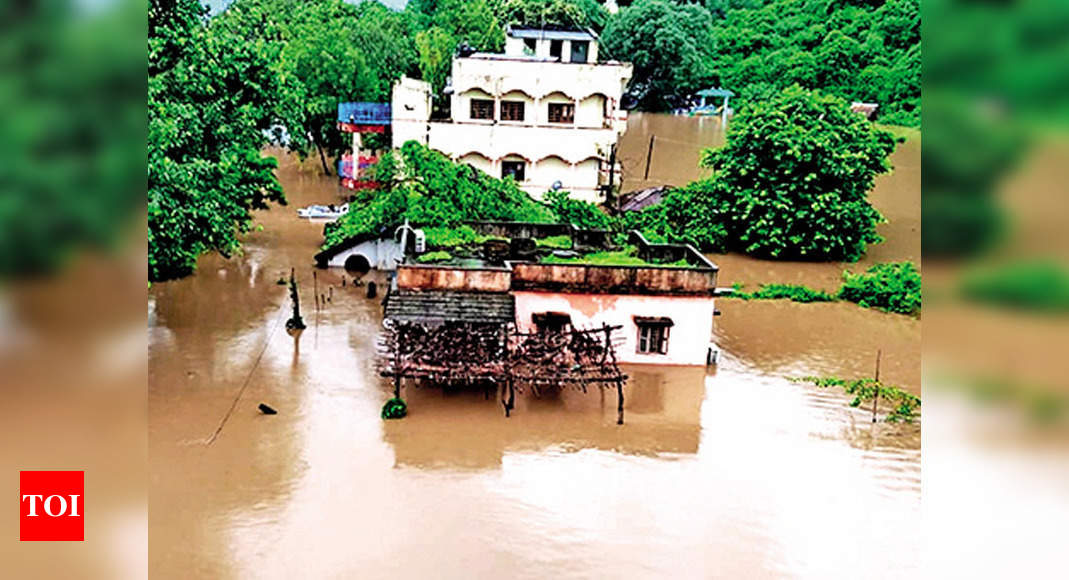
<point>380,254</point>
<point>579,149</point>
<point>417,277</point>
<point>581,278</point>
<point>517,47</point>
<point>577,82</point>
<point>688,341</point>
<point>594,89</point>
<point>411,106</point>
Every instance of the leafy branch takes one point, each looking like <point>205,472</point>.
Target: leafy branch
<point>905,404</point>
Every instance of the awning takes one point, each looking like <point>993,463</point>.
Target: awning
<point>654,321</point>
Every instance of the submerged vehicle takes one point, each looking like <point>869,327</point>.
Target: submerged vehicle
<point>331,211</point>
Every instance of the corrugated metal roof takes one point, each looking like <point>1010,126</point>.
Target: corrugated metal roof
<point>449,306</point>
<point>364,113</point>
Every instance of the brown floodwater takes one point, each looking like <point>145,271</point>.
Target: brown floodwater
<point>731,472</point>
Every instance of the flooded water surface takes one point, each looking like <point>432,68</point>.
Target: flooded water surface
<point>734,472</point>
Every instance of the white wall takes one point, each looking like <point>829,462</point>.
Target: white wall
<point>411,110</point>
<point>688,341</point>
<point>594,89</point>
<point>380,254</point>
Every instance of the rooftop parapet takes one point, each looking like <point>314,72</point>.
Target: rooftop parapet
<point>697,277</point>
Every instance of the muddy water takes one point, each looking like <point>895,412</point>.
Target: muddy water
<point>732,473</point>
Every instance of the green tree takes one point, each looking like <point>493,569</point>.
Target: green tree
<point>428,188</point>
<point>323,53</point>
<point>472,22</point>
<point>671,47</point>
<point>435,48</point>
<point>211,96</point>
<point>794,176</point>
<point>570,13</point>
<point>864,51</point>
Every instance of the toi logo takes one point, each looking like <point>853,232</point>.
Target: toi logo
<point>51,506</point>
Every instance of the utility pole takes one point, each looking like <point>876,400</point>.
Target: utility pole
<point>649,155</point>
<point>610,196</point>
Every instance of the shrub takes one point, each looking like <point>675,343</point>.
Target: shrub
<point>790,292</point>
<point>687,215</point>
<point>581,214</point>
<point>394,409</point>
<point>439,256</point>
<point>555,242</point>
<point>904,404</point>
<point>1035,285</point>
<point>892,287</point>
<point>450,237</point>
<point>625,257</point>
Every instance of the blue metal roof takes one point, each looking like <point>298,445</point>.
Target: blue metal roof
<point>364,113</point>
<point>717,92</point>
<point>548,33</point>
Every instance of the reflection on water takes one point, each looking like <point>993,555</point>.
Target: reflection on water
<point>734,473</point>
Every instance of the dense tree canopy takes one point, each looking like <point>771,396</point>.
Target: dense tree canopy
<point>794,176</point>
<point>426,187</point>
<point>671,47</point>
<point>210,99</point>
<point>857,50</point>
<point>323,53</point>
<point>582,13</point>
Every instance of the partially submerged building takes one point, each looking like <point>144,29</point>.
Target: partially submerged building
<point>531,323</point>
<point>545,112</point>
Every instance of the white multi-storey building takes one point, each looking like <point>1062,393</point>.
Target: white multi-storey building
<point>545,112</point>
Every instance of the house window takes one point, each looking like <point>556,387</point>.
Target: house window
<point>579,50</point>
<point>556,47</point>
<point>653,334</point>
<point>482,109</point>
<point>562,113</point>
<point>529,46</point>
<point>551,322</point>
<point>513,168</point>
<point>511,110</point>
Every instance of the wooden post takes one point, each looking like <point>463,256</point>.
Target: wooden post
<point>511,402</point>
<point>619,402</point>
<point>295,296</point>
<point>649,155</point>
<point>397,364</point>
<point>877,397</point>
<point>315,288</point>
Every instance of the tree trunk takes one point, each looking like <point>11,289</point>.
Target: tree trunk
<point>323,159</point>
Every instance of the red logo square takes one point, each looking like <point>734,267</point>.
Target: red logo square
<point>51,506</point>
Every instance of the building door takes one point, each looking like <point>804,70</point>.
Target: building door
<point>579,50</point>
